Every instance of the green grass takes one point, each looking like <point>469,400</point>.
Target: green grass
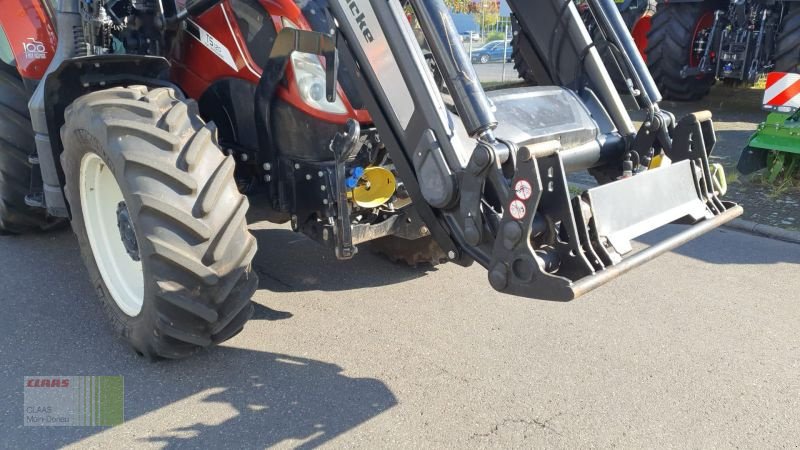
<point>781,186</point>
<point>495,36</point>
<point>775,189</point>
<point>788,180</point>
<point>732,175</point>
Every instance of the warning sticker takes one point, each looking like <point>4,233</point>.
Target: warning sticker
<point>517,209</point>
<point>523,189</point>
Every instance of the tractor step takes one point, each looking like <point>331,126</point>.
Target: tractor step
<point>35,200</point>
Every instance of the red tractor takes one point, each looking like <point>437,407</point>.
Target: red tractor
<point>152,126</point>
<point>689,44</point>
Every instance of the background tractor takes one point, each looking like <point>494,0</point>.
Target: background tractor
<point>154,125</point>
<point>689,44</point>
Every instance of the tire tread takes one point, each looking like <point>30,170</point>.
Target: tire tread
<point>16,143</point>
<point>787,47</point>
<point>202,280</point>
<point>668,46</point>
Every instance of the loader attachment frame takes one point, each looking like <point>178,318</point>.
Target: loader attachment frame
<point>506,203</point>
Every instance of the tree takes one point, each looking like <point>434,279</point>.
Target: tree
<point>460,6</point>
<point>488,14</point>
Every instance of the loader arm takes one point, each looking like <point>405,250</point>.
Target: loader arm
<point>488,175</point>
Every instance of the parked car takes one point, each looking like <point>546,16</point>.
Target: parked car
<point>467,35</point>
<point>492,52</point>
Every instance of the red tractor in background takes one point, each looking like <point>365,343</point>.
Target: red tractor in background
<point>688,44</point>
<point>153,125</point>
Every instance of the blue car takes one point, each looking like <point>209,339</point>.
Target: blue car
<point>492,52</point>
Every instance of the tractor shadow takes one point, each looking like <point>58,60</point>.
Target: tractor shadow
<point>268,399</point>
<point>290,262</point>
<point>227,396</point>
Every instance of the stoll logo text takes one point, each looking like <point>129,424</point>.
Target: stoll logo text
<point>361,20</point>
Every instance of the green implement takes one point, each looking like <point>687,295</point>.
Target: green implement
<point>775,145</point>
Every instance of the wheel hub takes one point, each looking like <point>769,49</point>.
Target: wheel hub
<point>126,232</point>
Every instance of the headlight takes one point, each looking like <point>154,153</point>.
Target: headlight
<point>309,76</point>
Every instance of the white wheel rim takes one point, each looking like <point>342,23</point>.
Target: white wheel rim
<point>100,195</point>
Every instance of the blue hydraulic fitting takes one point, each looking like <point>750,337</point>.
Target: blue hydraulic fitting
<point>355,174</point>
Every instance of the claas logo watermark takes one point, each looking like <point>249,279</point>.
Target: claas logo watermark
<point>96,401</point>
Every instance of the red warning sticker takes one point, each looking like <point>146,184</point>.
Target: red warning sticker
<point>517,209</point>
<point>523,189</point>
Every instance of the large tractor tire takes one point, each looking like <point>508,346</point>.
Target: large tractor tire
<point>159,219</point>
<point>520,45</point>
<point>787,48</point>
<point>637,21</point>
<point>674,29</point>
<point>16,143</point>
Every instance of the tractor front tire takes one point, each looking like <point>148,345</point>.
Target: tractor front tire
<point>159,219</point>
<point>669,47</point>
<point>787,47</point>
<point>16,143</point>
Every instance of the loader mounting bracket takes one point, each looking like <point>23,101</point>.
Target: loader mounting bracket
<point>343,146</point>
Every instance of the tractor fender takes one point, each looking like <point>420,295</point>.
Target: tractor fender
<point>73,78</point>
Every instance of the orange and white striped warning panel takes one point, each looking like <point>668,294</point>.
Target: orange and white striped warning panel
<point>782,92</point>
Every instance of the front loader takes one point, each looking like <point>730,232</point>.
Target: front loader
<point>157,124</point>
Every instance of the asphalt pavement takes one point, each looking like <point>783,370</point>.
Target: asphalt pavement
<point>699,348</point>
<point>493,72</point>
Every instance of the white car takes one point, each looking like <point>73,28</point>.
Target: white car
<point>465,36</point>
